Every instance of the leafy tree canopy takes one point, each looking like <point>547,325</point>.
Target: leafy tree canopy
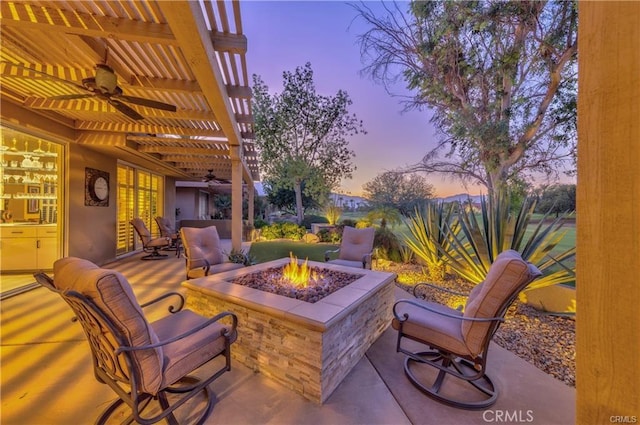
<point>285,199</point>
<point>398,190</point>
<point>498,76</point>
<point>557,199</point>
<point>302,136</point>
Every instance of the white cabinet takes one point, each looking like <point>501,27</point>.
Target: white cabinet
<point>28,248</point>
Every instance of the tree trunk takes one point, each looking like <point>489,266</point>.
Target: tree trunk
<point>298,190</point>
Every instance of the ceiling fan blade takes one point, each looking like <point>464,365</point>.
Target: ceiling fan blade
<point>70,96</point>
<point>48,76</point>
<point>125,109</point>
<point>148,103</point>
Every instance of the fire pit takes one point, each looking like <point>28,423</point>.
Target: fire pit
<point>298,280</point>
<point>307,346</point>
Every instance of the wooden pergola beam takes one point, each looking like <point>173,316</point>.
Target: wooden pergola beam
<point>31,17</point>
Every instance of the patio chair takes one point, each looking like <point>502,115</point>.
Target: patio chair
<point>356,249</point>
<point>148,365</point>
<point>168,231</point>
<point>203,253</point>
<point>149,243</point>
<point>459,341</point>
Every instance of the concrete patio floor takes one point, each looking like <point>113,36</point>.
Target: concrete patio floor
<point>47,378</point>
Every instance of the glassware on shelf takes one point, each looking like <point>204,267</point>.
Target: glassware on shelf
<point>39,148</point>
<point>26,162</point>
<point>13,147</point>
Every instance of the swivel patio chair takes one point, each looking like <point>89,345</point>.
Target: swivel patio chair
<point>168,231</point>
<point>459,342</point>
<point>356,248</point>
<point>149,243</point>
<point>203,253</point>
<point>148,365</point>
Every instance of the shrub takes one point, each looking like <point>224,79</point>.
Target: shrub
<point>293,231</point>
<point>332,213</point>
<point>311,218</point>
<point>429,238</point>
<point>310,238</point>
<point>281,230</point>
<point>259,223</point>
<point>406,254</point>
<point>386,244</point>
<point>330,235</point>
<point>477,244</point>
<point>363,224</point>
<point>241,257</point>
<point>349,222</point>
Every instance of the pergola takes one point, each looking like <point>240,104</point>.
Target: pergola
<point>190,54</point>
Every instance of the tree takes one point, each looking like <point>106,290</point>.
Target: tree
<point>302,136</point>
<point>398,190</point>
<point>499,77</point>
<point>285,199</point>
<point>557,199</point>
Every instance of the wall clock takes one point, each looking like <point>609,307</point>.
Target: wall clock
<point>96,191</point>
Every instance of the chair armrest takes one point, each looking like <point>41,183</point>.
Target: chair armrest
<point>206,266</point>
<point>417,303</point>
<point>367,259</point>
<point>214,319</point>
<point>326,253</point>
<point>439,288</point>
<point>172,307</point>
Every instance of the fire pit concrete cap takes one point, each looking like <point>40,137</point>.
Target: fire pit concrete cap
<point>317,316</point>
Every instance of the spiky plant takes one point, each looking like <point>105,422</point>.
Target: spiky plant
<point>474,248</point>
<point>429,236</point>
<point>332,213</point>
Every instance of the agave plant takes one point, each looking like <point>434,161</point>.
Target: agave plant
<point>474,246</point>
<point>430,239</point>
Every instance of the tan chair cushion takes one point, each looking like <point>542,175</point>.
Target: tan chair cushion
<point>347,263</point>
<point>217,268</point>
<point>183,356</point>
<point>509,273</point>
<point>111,292</point>
<point>356,243</point>
<point>441,331</point>
<point>201,244</point>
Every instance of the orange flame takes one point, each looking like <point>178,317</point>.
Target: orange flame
<point>298,275</point>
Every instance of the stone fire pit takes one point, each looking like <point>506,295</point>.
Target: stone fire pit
<point>308,347</point>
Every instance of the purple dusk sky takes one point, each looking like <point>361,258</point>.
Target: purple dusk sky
<point>283,35</point>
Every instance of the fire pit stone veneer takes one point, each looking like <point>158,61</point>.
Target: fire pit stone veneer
<point>309,348</point>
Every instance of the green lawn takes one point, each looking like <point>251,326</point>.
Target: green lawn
<point>272,250</point>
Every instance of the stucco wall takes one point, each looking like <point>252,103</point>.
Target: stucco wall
<point>91,230</point>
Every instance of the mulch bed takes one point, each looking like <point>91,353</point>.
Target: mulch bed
<point>544,340</point>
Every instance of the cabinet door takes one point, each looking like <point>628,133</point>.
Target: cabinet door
<point>17,253</point>
<point>47,253</point>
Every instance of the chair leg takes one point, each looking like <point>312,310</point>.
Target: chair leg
<point>155,255</point>
<point>453,368</point>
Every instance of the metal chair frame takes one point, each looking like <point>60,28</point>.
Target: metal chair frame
<point>464,367</point>
<point>113,364</point>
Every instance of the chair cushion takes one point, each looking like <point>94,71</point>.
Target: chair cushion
<point>183,356</point>
<point>346,263</point>
<point>201,244</point>
<point>216,268</point>
<point>508,274</point>
<point>356,243</point>
<point>111,292</point>
<point>440,331</point>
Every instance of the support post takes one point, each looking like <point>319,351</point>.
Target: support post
<point>608,220</point>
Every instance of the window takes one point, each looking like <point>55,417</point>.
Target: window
<point>139,195</point>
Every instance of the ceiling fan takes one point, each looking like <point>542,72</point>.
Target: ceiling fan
<point>105,86</point>
<point>212,179</point>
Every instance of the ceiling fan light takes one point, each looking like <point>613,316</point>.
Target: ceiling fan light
<point>105,78</point>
